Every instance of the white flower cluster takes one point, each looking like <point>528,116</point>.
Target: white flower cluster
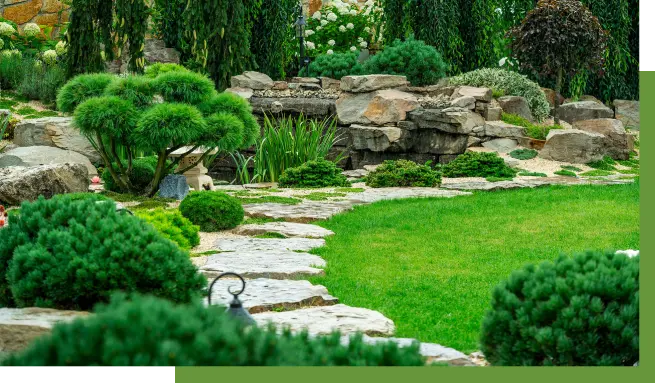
<point>310,45</point>
<point>50,56</point>
<point>6,29</point>
<point>31,29</point>
<point>11,52</point>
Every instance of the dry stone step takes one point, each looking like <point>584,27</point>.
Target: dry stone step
<point>274,264</point>
<point>374,195</point>
<point>257,244</point>
<point>304,212</point>
<point>288,229</point>
<point>18,327</point>
<point>263,294</point>
<point>327,319</point>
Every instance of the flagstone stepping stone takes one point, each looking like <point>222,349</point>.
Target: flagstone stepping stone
<point>255,244</point>
<point>263,294</point>
<point>304,212</point>
<point>274,264</point>
<point>288,229</point>
<point>374,195</point>
<point>18,327</point>
<point>434,353</point>
<point>324,320</point>
<point>261,185</point>
<point>462,184</point>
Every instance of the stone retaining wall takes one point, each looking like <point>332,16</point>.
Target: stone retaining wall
<point>41,12</point>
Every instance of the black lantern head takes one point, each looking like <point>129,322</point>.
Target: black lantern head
<point>235,309</point>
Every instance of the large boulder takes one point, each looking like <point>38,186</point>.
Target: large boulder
<point>480,94</point>
<point>18,183</point>
<point>155,51</point>
<point>433,141</point>
<point>57,132</point>
<point>516,105</point>
<point>370,83</point>
<point>44,155</point>
<point>378,138</point>
<point>618,143</point>
<point>503,130</point>
<point>388,106</point>
<point>252,80</point>
<point>628,112</point>
<point>583,110</point>
<point>574,146</point>
<point>310,107</point>
<point>449,120</point>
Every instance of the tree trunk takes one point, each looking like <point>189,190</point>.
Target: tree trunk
<point>159,171</point>
<point>558,89</point>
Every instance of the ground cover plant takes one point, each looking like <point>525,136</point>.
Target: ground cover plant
<point>456,257</point>
<point>536,131</point>
<point>313,174</point>
<point>172,225</point>
<point>565,173</point>
<point>524,154</point>
<point>532,174</point>
<point>403,173</point>
<point>478,164</point>
<point>212,211</point>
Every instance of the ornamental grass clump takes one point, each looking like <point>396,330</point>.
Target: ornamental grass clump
<point>212,211</point>
<point>71,255</point>
<point>146,331</point>
<point>575,311</point>
<point>173,225</point>
<point>403,173</point>
<point>314,174</point>
<point>478,164</point>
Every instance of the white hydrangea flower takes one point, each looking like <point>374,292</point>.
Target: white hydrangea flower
<point>61,48</point>
<point>353,12</point>
<point>369,3</point>
<point>330,51</point>
<point>331,16</point>
<point>360,39</point>
<point>11,52</point>
<point>350,26</point>
<point>308,32</point>
<point>6,29</point>
<point>343,11</point>
<point>353,48</point>
<point>363,44</point>
<point>310,45</point>
<point>331,43</point>
<point>31,29</point>
<point>324,22</point>
<point>367,29</point>
<point>50,56</point>
<point>317,15</point>
<point>342,28</point>
<point>318,27</point>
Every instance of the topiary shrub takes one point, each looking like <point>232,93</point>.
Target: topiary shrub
<point>81,88</point>
<point>212,211</point>
<point>403,173</point>
<point>231,103</point>
<point>138,90</point>
<point>524,154</point>
<point>421,63</point>
<point>478,164</point>
<point>66,254</point>
<point>510,84</point>
<point>171,224</point>
<point>575,311</point>
<point>143,171</point>
<point>313,174</point>
<point>154,70</point>
<point>185,87</point>
<point>146,331</point>
<point>336,65</point>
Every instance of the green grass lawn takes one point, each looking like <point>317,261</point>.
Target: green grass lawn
<point>430,264</point>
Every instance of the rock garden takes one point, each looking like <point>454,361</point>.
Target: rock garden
<point>351,191</point>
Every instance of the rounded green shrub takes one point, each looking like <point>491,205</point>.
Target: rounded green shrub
<point>336,65</point>
<point>231,103</point>
<point>143,171</point>
<point>171,224</point>
<point>524,154</point>
<point>509,83</point>
<point>212,211</point>
<point>313,174</point>
<point>110,115</point>
<point>146,331</point>
<point>138,90</point>
<point>65,254</point>
<point>403,173</point>
<point>156,69</point>
<point>229,128</point>
<point>169,125</point>
<point>184,87</point>
<point>478,164</point>
<point>81,88</point>
<point>575,311</point>
<point>421,63</point>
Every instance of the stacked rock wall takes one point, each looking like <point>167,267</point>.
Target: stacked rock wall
<point>41,12</point>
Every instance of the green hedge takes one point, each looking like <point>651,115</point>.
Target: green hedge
<point>212,211</point>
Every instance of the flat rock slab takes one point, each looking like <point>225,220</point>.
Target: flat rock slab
<point>257,244</point>
<point>263,295</point>
<point>274,264</point>
<point>374,195</point>
<point>324,320</point>
<point>304,212</point>
<point>18,327</point>
<point>434,353</point>
<point>463,184</point>
<point>288,229</point>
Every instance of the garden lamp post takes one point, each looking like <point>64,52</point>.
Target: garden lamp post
<point>300,34</point>
<point>235,309</point>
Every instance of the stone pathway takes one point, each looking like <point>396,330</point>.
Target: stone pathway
<point>525,182</point>
<point>274,264</point>
<point>259,244</point>
<point>287,229</point>
<point>304,212</point>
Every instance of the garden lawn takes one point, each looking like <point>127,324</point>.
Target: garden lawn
<point>430,264</point>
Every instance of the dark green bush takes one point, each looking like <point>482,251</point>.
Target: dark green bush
<point>402,173</point>
<point>42,82</point>
<point>238,106</point>
<point>143,171</point>
<point>334,66</point>
<point>579,311</point>
<point>68,254</point>
<point>145,331</point>
<point>313,174</point>
<point>184,87</point>
<point>478,164</point>
<point>154,70</point>
<point>212,211</point>
<point>421,63</point>
<point>81,88</point>
<point>169,125</point>
<point>136,89</point>
<point>524,154</point>
<point>172,225</point>
<point>110,115</point>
